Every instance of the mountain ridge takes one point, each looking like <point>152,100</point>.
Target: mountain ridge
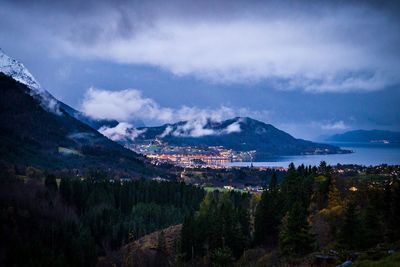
<point>51,137</point>
<point>366,136</point>
<point>239,133</point>
<point>16,70</point>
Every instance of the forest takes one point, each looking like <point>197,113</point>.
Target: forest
<point>310,211</point>
<point>310,217</point>
<point>71,222</point>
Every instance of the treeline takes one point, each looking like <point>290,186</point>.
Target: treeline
<point>310,210</point>
<point>220,229</point>
<point>115,210</point>
<point>72,222</point>
<point>47,221</point>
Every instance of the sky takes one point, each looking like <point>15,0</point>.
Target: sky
<point>311,68</point>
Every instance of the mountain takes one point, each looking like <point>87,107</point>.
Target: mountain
<point>240,134</point>
<point>18,72</point>
<point>366,136</point>
<point>37,129</point>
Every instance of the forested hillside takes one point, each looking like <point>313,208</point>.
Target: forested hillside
<point>313,217</point>
<point>72,222</point>
<point>32,135</point>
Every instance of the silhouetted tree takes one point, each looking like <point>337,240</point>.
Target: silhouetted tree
<point>51,183</point>
<point>350,233</point>
<point>295,237</point>
<point>268,215</point>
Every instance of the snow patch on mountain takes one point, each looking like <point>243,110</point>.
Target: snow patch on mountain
<point>20,73</point>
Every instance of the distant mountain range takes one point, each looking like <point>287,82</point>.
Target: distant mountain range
<point>240,134</point>
<point>366,136</point>
<point>37,129</point>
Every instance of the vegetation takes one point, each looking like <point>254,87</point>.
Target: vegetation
<point>49,220</point>
<point>310,210</point>
<point>268,215</point>
<point>389,261</point>
<point>72,224</point>
<point>220,229</point>
<point>31,135</point>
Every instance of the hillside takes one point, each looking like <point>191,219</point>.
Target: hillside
<point>366,136</point>
<point>241,134</point>
<point>33,135</point>
<point>146,252</point>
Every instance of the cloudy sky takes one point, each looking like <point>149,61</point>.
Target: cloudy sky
<point>311,68</point>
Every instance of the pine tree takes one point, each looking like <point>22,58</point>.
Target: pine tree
<point>350,234</point>
<point>66,190</point>
<point>394,219</point>
<point>334,199</point>
<point>372,226</point>
<point>268,215</point>
<point>51,183</point>
<point>222,257</point>
<point>295,237</point>
<point>188,238</point>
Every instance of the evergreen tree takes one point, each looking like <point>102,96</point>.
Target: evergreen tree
<point>394,219</point>
<point>372,226</point>
<point>334,199</point>
<point>188,238</point>
<point>217,225</point>
<point>297,187</point>
<point>66,190</point>
<point>351,234</point>
<point>325,169</point>
<point>222,257</point>
<point>268,215</point>
<point>51,183</point>
<point>295,237</point>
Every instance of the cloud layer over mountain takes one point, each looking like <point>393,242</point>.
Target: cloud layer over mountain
<point>128,105</point>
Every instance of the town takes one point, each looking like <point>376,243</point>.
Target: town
<point>216,157</point>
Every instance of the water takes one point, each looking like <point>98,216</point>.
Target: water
<point>364,154</point>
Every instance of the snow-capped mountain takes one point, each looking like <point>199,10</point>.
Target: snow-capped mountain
<point>17,71</point>
<point>31,133</point>
<point>20,73</point>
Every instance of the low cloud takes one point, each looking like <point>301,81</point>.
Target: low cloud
<point>201,127</point>
<point>193,128</point>
<point>122,132</point>
<point>122,105</point>
<point>339,125</point>
<point>128,105</point>
<point>233,128</point>
<point>167,131</point>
